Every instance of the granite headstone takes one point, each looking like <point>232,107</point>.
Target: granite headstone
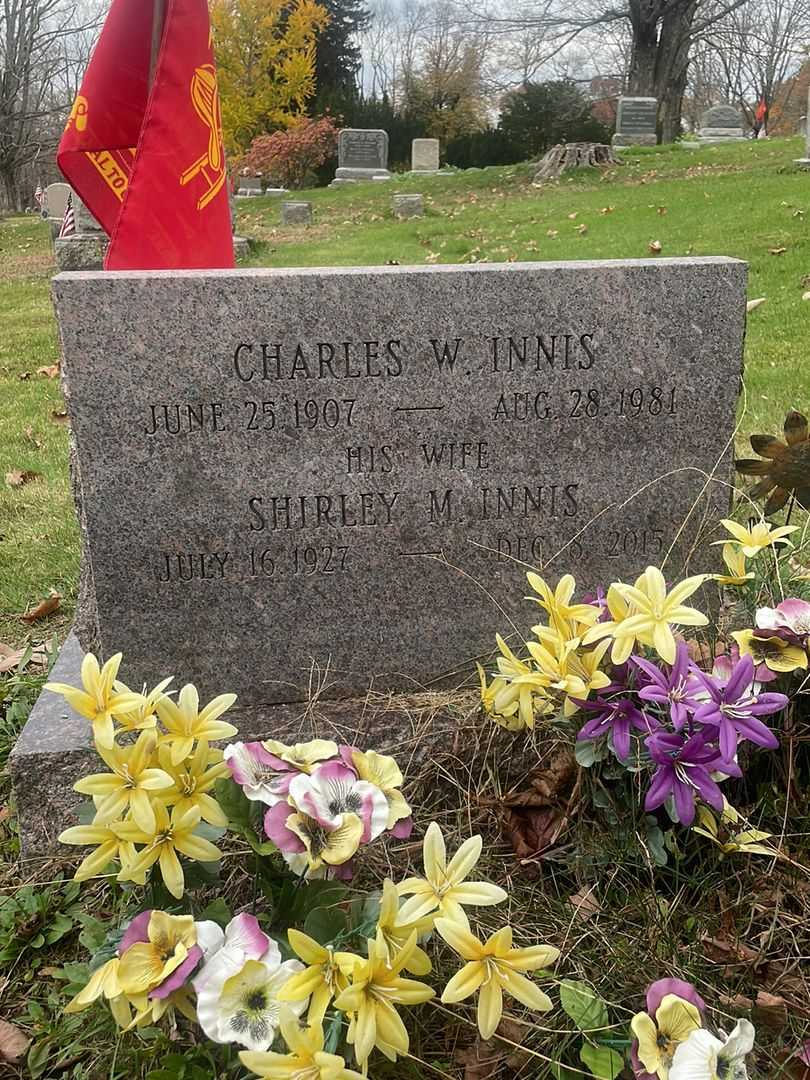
<point>329,473</point>
<point>425,155</point>
<point>296,212</point>
<point>636,120</point>
<point>804,162</point>
<point>408,206</point>
<point>721,123</point>
<point>362,155</point>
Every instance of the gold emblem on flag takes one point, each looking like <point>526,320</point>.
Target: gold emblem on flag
<point>211,164</point>
<point>78,114</point>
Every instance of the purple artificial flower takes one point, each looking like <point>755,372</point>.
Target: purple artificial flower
<point>733,707</point>
<point>615,716</point>
<point>138,931</point>
<point>262,776</point>
<point>598,599</point>
<point>685,764</point>
<point>657,991</point>
<point>675,689</point>
<point>275,829</point>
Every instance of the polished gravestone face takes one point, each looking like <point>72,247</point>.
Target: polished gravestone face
<point>722,116</point>
<point>425,155</point>
<point>353,468</point>
<point>637,116</point>
<point>360,148</point>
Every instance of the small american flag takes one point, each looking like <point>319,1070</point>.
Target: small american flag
<point>68,227</point>
<point>39,195</point>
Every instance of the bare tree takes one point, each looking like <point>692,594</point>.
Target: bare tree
<point>42,46</point>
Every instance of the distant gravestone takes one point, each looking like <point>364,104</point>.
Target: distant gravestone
<point>721,123</point>
<point>408,206</point>
<point>804,162</point>
<point>425,155</point>
<point>55,200</point>
<point>296,213</point>
<point>249,186</point>
<point>362,155</point>
<point>85,248</point>
<point>636,122</point>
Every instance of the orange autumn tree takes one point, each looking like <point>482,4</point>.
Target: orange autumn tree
<point>265,52</point>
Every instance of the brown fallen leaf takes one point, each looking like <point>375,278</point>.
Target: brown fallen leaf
<point>51,371</point>
<point>777,251</point>
<point>661,210</point>
<point>737,1001</point>
<point>585,903</point>
<point>581,229</point>
<point>13,1043</point>
<point>45,607</point>
<point>10,658</point>
<point>59,416</point>
<point>733,954</point>
<point>770,1010</point>
<point>488,1059</point>
<point>17,477</point>
<point>806,296</point>
<point>655,246</point>
<point>25,375</point>
<point>552,232</point>
<point>752,305</point>
<point>31,437</point>
<point>573,217</point>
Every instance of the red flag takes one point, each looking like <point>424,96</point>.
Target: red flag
<point>149,164</point>
<point>762,111</point>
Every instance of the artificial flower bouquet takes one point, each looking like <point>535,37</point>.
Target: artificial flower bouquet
<point>625,674</point>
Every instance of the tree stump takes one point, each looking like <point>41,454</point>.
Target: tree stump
<point>567,156</point>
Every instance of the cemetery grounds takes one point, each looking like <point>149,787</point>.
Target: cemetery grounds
<point>625,900</point>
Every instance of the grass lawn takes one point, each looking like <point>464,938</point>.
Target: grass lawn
<point>737,926</point>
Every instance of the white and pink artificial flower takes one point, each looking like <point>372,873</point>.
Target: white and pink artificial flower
<point>242,940</point>
<point>262,776</point>
<point>792,616</point>
<point>332,790</point>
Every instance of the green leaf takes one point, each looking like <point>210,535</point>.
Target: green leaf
<point>588,752</point>
<point>218,912</point>
<point>325,924</point>
<point>603,1062</point>
<point>94,932</point>
<point>234,803</point>
<point>39,1057</point>
<point>560,1072</point>
<point>657,846</point>
<point>583,1005</point>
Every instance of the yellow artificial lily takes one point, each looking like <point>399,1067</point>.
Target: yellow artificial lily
<point>102,983</point>
<point>326,975</point>
<point>774,652</point>
<point>762,535</point>
<point>304,756</point>
<point>651,614</point>
<point>146,964</point>
<point>186,723</point>
<point>171,835</point>
<point>675,1019</point>
<point>192,781</point>
<point>386,775</point>
<point>493,967</point>
<point>748,841</point>
<point>572,671</point>
<point>99,701</point>
<point>145,715</point>
<point>393,932</point>
<point>444,886</point>
<point>734,559</point>
<point>518,692</point>
<point>324,846</point>
<point>563,616</point>
<point>376,988</point>
<point>110,847</point>
<point>129,784</point>
<point>306,1059</point>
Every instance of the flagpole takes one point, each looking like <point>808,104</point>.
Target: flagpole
<point>158,17</point>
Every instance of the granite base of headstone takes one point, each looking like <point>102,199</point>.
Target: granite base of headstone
<point>721,124</point>
<point>407,206</point>
<point>241,247</point>
<point>430,428</point>
<point>362,156</point>
<point>79,252</point>
<point>636,122</point>
<point>296,212</point>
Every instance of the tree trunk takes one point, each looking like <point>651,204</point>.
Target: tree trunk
<point>673,64</point>
<point>12,199</point>
<point>568,156</point>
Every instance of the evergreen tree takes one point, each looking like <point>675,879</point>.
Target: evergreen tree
<point>337,56</point>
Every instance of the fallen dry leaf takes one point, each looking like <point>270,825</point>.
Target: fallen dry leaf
<point>59,416</point>
<point>17,477</point>
<point>777,251</point>
<point>661,210</point>
<point>752,305</point>
<point>51,371</point>
<point>13,1043</point>
<point>806,296</point>
<point>733,954</point>
<point>10,658</point>
<point>25,375</point>
<point>487,1059</point>
<point>552,232</point>
<point>607,209</point>
<point>655,246</point>
<point>770,1010</point>
<point>581,229</point>
<point>45,607</point>
<point>573,217</point>
<point>31,437</point>
<point>585,903</point>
